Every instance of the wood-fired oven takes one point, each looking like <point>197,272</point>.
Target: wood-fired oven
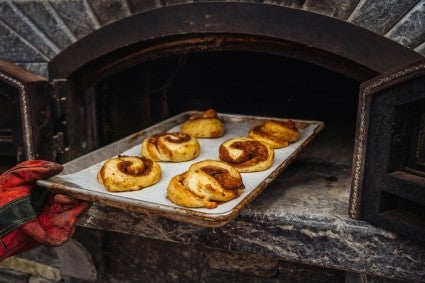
<point>236,58</point>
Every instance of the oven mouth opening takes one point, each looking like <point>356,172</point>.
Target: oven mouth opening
<point>237,82</point>
<point>302,71</point>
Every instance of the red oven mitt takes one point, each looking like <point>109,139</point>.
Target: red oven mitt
<point>30,215</point>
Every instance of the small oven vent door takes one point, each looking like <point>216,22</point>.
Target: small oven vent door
<point>25,115</point>
<point>388,185</point>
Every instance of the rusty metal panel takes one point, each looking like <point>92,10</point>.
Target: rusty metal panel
<point>29,122</point>
<point>82,172</point>
<point>388,185</point>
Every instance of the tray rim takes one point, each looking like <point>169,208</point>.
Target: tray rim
<point>57,185</point>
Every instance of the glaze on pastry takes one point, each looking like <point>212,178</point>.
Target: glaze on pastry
<point>204,125</point>
<point>171,147</point>
<point>129,173</point>
<point>276,134</point>
<point>205,184</point>
<point>246,154</point>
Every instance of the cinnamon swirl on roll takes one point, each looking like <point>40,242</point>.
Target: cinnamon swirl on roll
<point>246,154</point>
<point>205,184</point>
<point>171,147</point>
<point>129,173</point>
<point>276,134</point>
<point>204,125</point>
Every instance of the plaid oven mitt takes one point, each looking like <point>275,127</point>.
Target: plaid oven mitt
<point>30,215</point>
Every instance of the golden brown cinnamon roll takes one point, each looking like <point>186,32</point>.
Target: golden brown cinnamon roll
<point>246,154</point>
<point>204,125</point>
<point>172,147</point>
<point>276,134</point>
<point>128,173</point>
<point>205,184</point>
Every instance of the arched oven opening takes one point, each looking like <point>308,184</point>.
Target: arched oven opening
<point>250,59</point>
<point>239,77</point>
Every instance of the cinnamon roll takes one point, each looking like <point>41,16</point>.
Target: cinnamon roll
<point>246,154</point>
<point>171,147</point>
<point>276,134</point>
<point>129,173</point>
<point>204,125</point>
<point>205,184</point>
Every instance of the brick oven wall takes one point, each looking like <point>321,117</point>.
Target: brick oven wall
<point>32,32</point>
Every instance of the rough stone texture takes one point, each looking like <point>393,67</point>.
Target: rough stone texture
<point>410,30</point>
<point>380,16</point>
<point>44,16</point>
<point>109,11</point>
<point>77,16</point>
<point>16,49</point>
<point>298,4</point>
<point>332,8</point>
<point>129,258</point>
<point>46,264</point>
<point>175,2</point>
<point>32,267</point>
<point>12,18</point>
<point>289,222</point>
<point>421,48</point>
<point>254,265</point>
<point>7,276</point>
<point>37,68</point>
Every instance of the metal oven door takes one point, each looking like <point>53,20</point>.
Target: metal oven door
<point>26,111</point>
<point>388,180</point>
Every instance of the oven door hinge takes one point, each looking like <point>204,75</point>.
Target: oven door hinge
<point>59,95</point>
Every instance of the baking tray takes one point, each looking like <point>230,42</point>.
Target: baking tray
<point>78,178</point>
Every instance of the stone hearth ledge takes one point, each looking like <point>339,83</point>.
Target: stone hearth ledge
<point>301,217</point>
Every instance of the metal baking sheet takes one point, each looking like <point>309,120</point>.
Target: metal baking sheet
<point>79,176</point>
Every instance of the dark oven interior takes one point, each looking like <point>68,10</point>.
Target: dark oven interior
<point>229,82</point>
<point>10,135</point>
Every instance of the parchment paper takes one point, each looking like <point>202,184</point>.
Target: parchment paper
<point>86,178</point>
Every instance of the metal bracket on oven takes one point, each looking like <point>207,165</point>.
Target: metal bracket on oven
<point>59,94</point>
